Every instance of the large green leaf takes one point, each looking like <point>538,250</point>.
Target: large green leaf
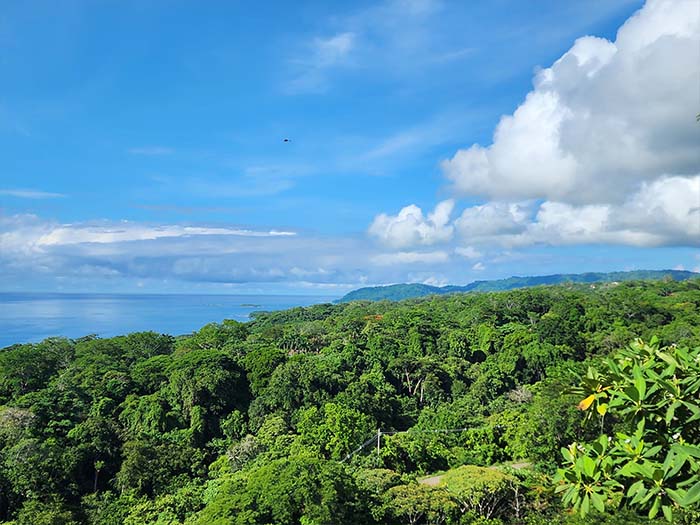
<point>597,501</point>
<point>692,495</point>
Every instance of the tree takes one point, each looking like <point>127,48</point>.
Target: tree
<point>205,385</point>
<point>26,368</point>
<point>415,502</point>
<point>486,491</point>
<point>35,512</point>
<point>287,491</point>
<point>336,429</point>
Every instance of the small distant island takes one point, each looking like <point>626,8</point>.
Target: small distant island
<point>399,292</point>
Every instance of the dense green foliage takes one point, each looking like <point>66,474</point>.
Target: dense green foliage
<point>399,292</point>
<point>651,462</point>
<point>392,292</point>
<point>276,421</point>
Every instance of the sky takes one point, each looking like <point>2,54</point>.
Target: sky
<point>142,143</point>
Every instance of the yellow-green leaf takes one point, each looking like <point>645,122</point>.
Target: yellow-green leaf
<point>586,403</point>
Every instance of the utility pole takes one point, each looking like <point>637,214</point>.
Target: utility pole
<point>379,441</point>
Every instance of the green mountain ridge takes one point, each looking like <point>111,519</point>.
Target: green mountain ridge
<point>398,292</point>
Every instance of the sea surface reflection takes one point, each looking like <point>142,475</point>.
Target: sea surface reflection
<point>32,317</point>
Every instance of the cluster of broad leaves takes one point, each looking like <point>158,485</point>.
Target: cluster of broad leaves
<point>264,422</point>
<point>650,460</point>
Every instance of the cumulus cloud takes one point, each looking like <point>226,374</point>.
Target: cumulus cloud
<point>603,150</point>
<point>495,218</point>
<point>663,212</point>
<point>410,227</point>
<point>667,208</point>
<point>560,223</point>
<point>601,120</point>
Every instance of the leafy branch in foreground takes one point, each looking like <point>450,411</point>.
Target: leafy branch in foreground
<point>651,463</point>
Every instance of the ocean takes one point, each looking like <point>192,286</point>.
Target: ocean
<point>31,317</point>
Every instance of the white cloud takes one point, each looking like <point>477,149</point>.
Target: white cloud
<point>329,51</point>
<point>250,184</point>
<point>442,128</point>
<point>389,259</point>
<point>92,270</point>
<point>32,248</point>
<point>321,55</point>
<point>388,38</point>
<point>604,118</point>
<point>560,223</point>
<point>46,255</point>
<point>436,281</point>
<point>454,55</point>
<point>603,150</point>
<point>468,252</point>
<point>664,212</point>
<point>667,208</point>
<point>30,194</point>
<point>32,237</point>
<point>495,218</point>
<point>307,272</point>
<point>127,231</point>
<point>411,228</point>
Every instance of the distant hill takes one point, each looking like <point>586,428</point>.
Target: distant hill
<point>397,292</point>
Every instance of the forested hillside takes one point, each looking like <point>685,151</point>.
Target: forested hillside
<point>398,292</point>
<point>447,410</point>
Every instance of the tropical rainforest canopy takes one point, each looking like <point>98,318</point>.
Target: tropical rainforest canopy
<point>566,404</point>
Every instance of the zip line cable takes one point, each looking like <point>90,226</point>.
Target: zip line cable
<point>436,430</point>
<point>348,456</point>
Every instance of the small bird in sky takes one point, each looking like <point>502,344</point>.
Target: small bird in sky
<point>286,140</point>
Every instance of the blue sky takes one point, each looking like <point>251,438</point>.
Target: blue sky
<point>141,143</point>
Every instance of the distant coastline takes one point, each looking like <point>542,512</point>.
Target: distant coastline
<point>398,292</point>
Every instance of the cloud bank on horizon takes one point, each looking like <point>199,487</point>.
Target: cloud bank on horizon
<point>604,151</point>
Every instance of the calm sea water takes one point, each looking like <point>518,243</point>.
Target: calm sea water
<point>33,317</point>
